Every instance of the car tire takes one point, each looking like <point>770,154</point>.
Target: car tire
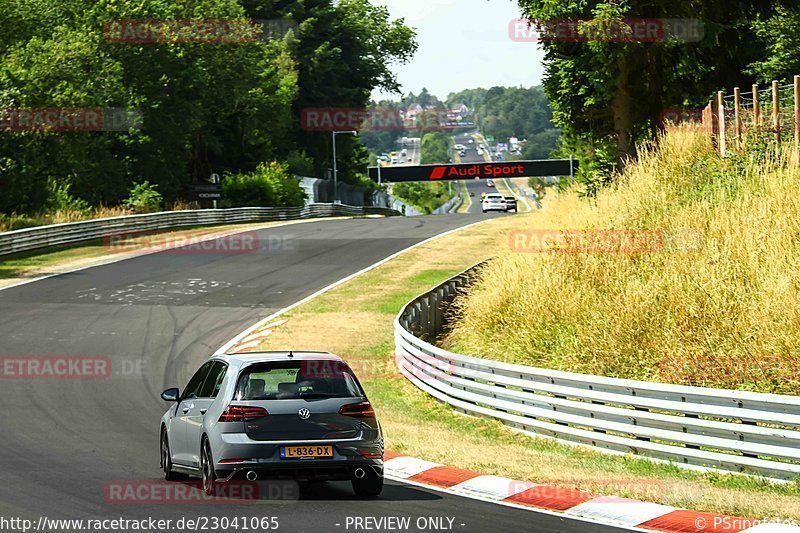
<point>166,459</point>
<point>209,475</point>
<point>369,486</point>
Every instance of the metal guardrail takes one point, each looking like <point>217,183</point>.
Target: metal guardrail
<point>695,427</point>
<point>451,206</point>
<point>60,234</point>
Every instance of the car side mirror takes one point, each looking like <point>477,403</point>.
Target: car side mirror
<point>171,395</point>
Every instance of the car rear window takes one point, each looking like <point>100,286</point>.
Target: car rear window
<point>296,380</point>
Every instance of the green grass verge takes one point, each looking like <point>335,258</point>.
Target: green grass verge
<point>355,320</point>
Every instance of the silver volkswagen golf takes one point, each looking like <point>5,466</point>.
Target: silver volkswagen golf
<point>273,415</point>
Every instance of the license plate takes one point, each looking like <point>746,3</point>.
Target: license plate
<point>306,452</point>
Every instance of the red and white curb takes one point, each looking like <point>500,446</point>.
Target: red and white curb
<point>571,503</point>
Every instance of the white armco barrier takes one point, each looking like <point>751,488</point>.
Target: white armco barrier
<point>59,234</point>
<point>695,427</point>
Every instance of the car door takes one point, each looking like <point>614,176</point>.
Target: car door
<point>177,429</point>
<point>197,411</point>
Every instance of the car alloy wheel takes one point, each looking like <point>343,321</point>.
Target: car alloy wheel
<point>166,458</point>
<point>207,466</point>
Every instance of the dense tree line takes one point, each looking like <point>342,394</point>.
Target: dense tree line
<point>505,112</point>
<point>204,106</point>
<point>501,112</point>
<point>609,94</point>
<point>434,149</point>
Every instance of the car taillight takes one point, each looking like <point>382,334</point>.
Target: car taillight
<point>370,453</point>
<point>242,413</point>
<point>359,410</point>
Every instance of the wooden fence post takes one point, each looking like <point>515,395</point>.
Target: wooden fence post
<point>756,109</point>
<point>776,119</point>
<point>796,112</point>
<point>736,117</point>
<point>721,104</point>
<point>712,113</point>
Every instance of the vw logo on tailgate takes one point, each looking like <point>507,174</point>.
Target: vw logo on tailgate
<point>304,413</point>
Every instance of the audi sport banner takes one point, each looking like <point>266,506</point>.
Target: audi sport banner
<point>510,169</point>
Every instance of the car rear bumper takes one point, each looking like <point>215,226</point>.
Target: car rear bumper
<point>310,470</point>
<point>235,454</point>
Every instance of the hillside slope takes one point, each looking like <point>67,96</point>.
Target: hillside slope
<point>702,291</point>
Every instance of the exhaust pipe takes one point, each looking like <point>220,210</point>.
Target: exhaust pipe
<point>251,475</point>
<point>360,473</point>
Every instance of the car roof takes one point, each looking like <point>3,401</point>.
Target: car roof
<point>248,358</point>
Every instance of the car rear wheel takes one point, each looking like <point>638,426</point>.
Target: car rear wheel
<point>166,458</point>
<point>369,486</point>
<point>207,467</point>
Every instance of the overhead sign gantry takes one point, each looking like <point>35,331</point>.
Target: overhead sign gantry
<point>465,171</point>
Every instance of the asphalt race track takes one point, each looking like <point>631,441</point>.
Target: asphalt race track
<point>476,187</point>
<point>155,318</point>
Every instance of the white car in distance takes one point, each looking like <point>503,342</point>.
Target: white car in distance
<point>494,202</point>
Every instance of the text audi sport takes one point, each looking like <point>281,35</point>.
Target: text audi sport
<point>273,415</point>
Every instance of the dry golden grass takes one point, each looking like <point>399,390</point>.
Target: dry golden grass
<point>716,305</point>
<point>61,216</point>
<point>416,425</point>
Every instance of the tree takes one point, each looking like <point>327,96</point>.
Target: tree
<point>434,148</point>
<point>203,106</point>
<point>472,98</point>
<point>613,93</point>
<point>514,111</point>
<point>343,51</point>
<point>781,35</point>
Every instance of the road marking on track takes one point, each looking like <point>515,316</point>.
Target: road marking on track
<point>231,344</point>
<point>141,253</point>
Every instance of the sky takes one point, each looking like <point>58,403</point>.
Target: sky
<point>463,44</point>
